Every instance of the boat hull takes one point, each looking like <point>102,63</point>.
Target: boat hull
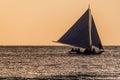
<point>90,53</point>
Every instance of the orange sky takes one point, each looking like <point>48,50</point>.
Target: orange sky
<point>39,22</point>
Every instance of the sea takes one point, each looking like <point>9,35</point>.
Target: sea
<point>55,63</point>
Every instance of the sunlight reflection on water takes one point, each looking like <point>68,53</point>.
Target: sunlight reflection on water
<point>52,61</point>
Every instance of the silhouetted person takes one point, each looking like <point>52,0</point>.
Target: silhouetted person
<point>89,50</point>
<point>100,46</point>
<point>78,50</point>
<point>72,50</point>
<point>93,50</point>
<point>86,50</point>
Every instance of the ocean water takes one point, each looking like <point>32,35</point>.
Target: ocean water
<point>53,62</point>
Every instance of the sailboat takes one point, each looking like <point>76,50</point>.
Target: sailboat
<point>83,34</point>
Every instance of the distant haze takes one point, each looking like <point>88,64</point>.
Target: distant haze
<point>39,22</point>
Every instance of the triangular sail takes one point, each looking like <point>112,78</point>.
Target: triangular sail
<point>95,37</point>
<point>78,34</point>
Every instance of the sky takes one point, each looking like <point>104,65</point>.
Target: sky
<point>39,22</point>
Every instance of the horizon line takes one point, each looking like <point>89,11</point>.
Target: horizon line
<point>48,45</point>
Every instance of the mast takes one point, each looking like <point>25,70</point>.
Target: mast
<point>90,27</point>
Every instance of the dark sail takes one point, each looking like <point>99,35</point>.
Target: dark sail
<point>78,34</point>
<point>95,37</point>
